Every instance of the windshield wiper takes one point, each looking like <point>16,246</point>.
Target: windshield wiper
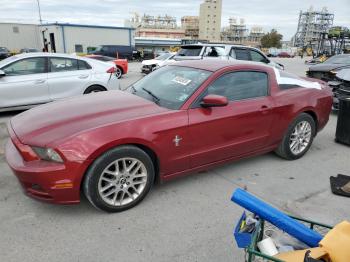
<point>155,98</point>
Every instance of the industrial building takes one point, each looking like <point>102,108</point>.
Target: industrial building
<point>161,26</point>
<point>237,32</point>
<point>191,26</point>
<point>63,38</point>
<point>16,36</point>
<point>210,20</point>
<point>312,24</point>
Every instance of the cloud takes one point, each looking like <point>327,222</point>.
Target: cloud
<point>282,15</point>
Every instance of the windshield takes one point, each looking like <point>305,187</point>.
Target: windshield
<point>338,59</point>
<point>7,60</point>
<point>163,57</point>
<point>170,86</point>
<point>190,51</point>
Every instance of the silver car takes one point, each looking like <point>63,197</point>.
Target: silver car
<point>31,79</point>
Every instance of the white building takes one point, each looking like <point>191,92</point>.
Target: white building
<point>63,38</point>
<point>16,36</point>
<point>210,20</point>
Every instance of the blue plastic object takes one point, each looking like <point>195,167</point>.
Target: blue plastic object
<point>243,240</point>
<point>276,217</point>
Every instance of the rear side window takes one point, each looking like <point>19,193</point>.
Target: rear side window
<point>214,51</point>
<point>241,54</point>
<point>82,65</point>
<point>28,66</point>
<point>190,51</point>
<point>63,64</point>
<point>240,85</point>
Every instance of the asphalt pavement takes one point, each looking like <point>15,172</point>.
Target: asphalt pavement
<point>188,219</point>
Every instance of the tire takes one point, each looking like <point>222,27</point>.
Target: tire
<point>111,192</point>
<point>94,89</point>
<point>292,140</point>
<point>119,72</point>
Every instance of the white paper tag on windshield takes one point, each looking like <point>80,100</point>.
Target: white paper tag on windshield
<point>182,81</point>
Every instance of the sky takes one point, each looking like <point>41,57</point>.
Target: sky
<point>279,14</point>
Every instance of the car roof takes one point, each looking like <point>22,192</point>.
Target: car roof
<point>216,64</point>
<point>220,44</point>
<point>46,54</point>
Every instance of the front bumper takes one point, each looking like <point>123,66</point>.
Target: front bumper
<point>146,69</point>
<point>43,180</point>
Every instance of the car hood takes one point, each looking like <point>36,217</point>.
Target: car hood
<point>326,67</point>
<point>54,122</point>
<point>151,62</point>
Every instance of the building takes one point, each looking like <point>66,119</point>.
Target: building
<point>70,38</point>
<point>236,32</point>
<point>210,20</point>
<point>191,26</point>
<point>177,33</point>
<point>161,26</point>
<point>63,38</point>
<point>156,45</point>
<point>16,36</point>
<point>311,26</point>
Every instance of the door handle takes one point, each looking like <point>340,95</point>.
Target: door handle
<point>264,109</point>
<point>83,76</point>
<point>40,81</point>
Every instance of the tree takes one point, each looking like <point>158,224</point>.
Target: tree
<point>272,39</point>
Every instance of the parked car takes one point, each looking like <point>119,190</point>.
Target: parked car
<point>224,52</point>
<point>340,86</point>
<point>328,69</point>
<point>150,65</point>
<point>113,146</point>
<point>121,64</point>
<point>29,50</point>
<point>30,79</point>
<point>117,51</point>
<point>4,53</point>
<point>285,55</point>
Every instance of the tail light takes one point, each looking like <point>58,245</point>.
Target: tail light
<point>112,70</point>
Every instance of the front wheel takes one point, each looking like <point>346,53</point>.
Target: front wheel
<point>119,179</point>
<point>298,138</point>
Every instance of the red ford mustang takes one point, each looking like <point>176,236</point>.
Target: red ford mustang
<point>180,119</point>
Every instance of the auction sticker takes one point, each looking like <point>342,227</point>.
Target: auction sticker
<point>182,81</point>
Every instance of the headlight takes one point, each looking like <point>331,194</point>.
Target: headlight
<point>48,154</point>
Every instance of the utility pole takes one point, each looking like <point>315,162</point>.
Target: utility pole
<point>41,25</point>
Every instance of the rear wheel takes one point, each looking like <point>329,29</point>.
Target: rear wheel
<point>94,89</point>
<point>119,179</point>
<point>298,138</point>
<point>119,72</point>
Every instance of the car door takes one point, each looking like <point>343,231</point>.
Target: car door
<point>65,79</point>
<point>241,127</point>
<point>24,83</point>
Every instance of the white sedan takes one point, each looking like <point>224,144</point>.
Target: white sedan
<point>31,79</point>
<point>150,65</point>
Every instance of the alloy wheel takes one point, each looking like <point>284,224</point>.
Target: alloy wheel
<point>122,181</point>
<point>300,137</point>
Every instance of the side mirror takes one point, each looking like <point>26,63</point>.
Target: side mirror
<point>2,73</point>
<point>214,101</point>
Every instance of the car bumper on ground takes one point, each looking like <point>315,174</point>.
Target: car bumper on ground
<point>43,180</point>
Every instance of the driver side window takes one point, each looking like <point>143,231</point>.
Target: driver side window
<point>240,85</point>
<point>257,57</point>
<point>28,66</point>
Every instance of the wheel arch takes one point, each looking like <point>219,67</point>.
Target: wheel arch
<point>97,85</point>
<point>314,116</point>
<point>149,150</point>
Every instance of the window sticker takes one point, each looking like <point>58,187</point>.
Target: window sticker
<point>182,81</point>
